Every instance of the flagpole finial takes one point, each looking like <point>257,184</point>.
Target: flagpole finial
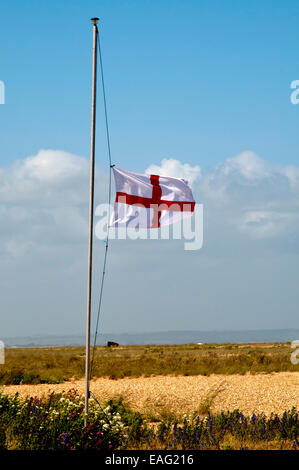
<point>95,21</point>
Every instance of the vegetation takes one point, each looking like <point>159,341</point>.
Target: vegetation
<point>58,364</point>
<point>56,423</point>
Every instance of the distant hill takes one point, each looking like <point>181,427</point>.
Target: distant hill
<point>160,337</point>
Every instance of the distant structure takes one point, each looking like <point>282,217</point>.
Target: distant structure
<point>199,344</point>
<point>111,344</point>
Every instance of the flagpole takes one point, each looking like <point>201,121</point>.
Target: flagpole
<point>91,205</point>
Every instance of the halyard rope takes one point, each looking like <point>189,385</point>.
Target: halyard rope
<point>106,241</point>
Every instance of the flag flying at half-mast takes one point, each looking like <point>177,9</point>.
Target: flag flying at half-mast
<point>150,201</point>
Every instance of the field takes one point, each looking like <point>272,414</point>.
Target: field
<point>53,365</point>
<point>165,396</point>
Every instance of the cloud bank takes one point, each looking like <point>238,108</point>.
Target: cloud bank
<point>250,214</point>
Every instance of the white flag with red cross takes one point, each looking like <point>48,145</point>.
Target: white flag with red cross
<point>150,201</point>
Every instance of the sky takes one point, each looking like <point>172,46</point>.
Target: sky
<point>195,89</point>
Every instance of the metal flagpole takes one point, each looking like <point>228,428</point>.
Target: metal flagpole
<point>91,205</point>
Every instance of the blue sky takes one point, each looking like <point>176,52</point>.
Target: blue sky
<point>194,80</point>
<point>198,83</point>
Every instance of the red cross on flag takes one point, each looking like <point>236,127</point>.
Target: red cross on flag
<point>150,201</point>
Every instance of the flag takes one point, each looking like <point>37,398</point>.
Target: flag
<point>150,201</point>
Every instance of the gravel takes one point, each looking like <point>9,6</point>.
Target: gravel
<point>155,396</point>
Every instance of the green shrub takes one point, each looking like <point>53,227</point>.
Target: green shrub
<point>58,423</point>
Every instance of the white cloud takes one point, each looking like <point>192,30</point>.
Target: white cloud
<point>267,224</point>
<point>44,202</point>
<point>51,175</point>
<point>255,197</point>
<point>229,181</point>
<point>292,173</point>
<point>51,166</point>
<point>247,165</point>
<point>43,246</point>
<point>176,169</point>
<point>44,198</point>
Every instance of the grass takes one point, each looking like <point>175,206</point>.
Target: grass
<point>206,403</point>
<point>156,411</point>
<point>59,364</point>
<point>57,423</point>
